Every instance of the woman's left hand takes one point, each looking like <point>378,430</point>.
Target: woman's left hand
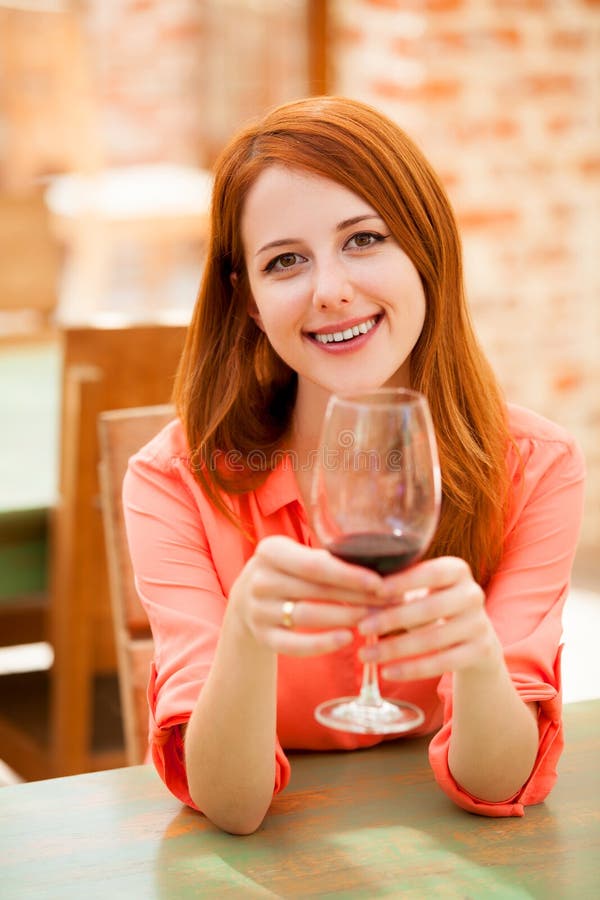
<point>442,628</point>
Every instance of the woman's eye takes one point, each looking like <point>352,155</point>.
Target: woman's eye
<point>365,239</point>
<point>283,261</point>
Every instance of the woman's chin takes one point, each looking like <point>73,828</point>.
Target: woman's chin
<point>355,385</point>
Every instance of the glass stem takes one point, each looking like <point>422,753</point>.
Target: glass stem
<point>369,690</point>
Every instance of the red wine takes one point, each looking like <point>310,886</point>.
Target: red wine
<point>383,553</point>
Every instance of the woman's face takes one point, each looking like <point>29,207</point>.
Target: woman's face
<point>339,300</point>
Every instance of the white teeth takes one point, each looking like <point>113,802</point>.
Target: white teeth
<point>347,334</point>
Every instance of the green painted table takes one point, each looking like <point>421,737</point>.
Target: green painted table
<point>364,824</point>
<point>29,412</point>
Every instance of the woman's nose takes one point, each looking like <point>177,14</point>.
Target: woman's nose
<point>332,287</point>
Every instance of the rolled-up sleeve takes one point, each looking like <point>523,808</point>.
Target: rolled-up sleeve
<point>525,600</point>
<point>184,599</point>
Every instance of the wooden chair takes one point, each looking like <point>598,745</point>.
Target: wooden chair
<point>103,369</point>
<point>121,434</point>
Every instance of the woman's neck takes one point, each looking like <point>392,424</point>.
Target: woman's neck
<point>305,434</point>
<point>307,419</point>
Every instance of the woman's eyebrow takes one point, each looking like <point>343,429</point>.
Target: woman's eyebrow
<point>280,243</point>
<point>346,223</point>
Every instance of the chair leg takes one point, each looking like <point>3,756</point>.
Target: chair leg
<point>73,584</point>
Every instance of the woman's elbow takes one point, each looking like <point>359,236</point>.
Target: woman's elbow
<point>235,817</point>
<point>242,826</point>
<point>237,823</point>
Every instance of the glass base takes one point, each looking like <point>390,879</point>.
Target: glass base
<point>383,717</point>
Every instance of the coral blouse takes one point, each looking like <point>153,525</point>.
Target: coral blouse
<point>186,557</point>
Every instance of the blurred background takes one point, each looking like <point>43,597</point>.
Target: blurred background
<point>111,114</point>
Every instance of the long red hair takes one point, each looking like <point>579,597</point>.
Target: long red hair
<point>234,394</point>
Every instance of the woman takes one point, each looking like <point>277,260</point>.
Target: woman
<point>334,266</point>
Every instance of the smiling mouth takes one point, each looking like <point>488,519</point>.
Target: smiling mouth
<point>348,334</point>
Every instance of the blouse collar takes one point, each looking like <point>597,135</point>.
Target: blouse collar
<point>279,489</point>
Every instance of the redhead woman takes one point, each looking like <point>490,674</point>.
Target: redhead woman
<point>334,265</point>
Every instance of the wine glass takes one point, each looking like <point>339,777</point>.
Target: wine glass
<point>375,500</point>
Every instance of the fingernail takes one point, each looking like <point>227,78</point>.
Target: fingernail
<point>342,638</point>
<point>369,626</point>
<point>372,584</point>
<point>393,673</point>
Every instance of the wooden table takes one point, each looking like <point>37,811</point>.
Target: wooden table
<point>364,824</point>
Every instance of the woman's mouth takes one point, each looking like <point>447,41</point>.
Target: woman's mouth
<point>346,335</point>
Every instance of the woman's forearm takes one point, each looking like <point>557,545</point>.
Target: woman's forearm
<point>494,738</point>
<point>230,738</point>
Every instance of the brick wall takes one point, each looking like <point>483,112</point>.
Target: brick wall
<point>503,96</point>
<point>86,83</point>
<point>174,79</point>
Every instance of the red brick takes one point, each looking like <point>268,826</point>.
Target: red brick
<point>540,167</point>
<point>422,6</point>
<point>500,128</point>
<point>549,255</point>
<point>386,4</point>
<point>561,123</point>
<point>456,39</point>
<point>567,380</point>
<point>521,5</point>
<point>488,217</point>
<point>568,39</point>
<point>562,212</point>
<point>505,128</point>
<point>551,83</point>
<point>426,92</point>
<point>449,178</point>
<point>451,40</point>
<point>440,5</point>
<point>589,166</point>
<point>507,37</point>
<point>404,46</point>
<point>184,31</point>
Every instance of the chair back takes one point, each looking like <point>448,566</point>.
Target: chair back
<point>121,434</point>
<point>103,369</point>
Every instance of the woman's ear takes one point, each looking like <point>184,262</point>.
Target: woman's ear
<point>252,307</point>
<point>254,313</point>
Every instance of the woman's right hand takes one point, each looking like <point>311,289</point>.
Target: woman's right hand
<point>329,597</point>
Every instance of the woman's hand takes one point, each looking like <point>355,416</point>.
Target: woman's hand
<point>323,597</point>
<point>443,628</point>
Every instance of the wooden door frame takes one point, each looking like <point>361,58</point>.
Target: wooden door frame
<point>318,39</point>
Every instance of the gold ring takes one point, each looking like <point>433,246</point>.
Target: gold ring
<point>287,614</point>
